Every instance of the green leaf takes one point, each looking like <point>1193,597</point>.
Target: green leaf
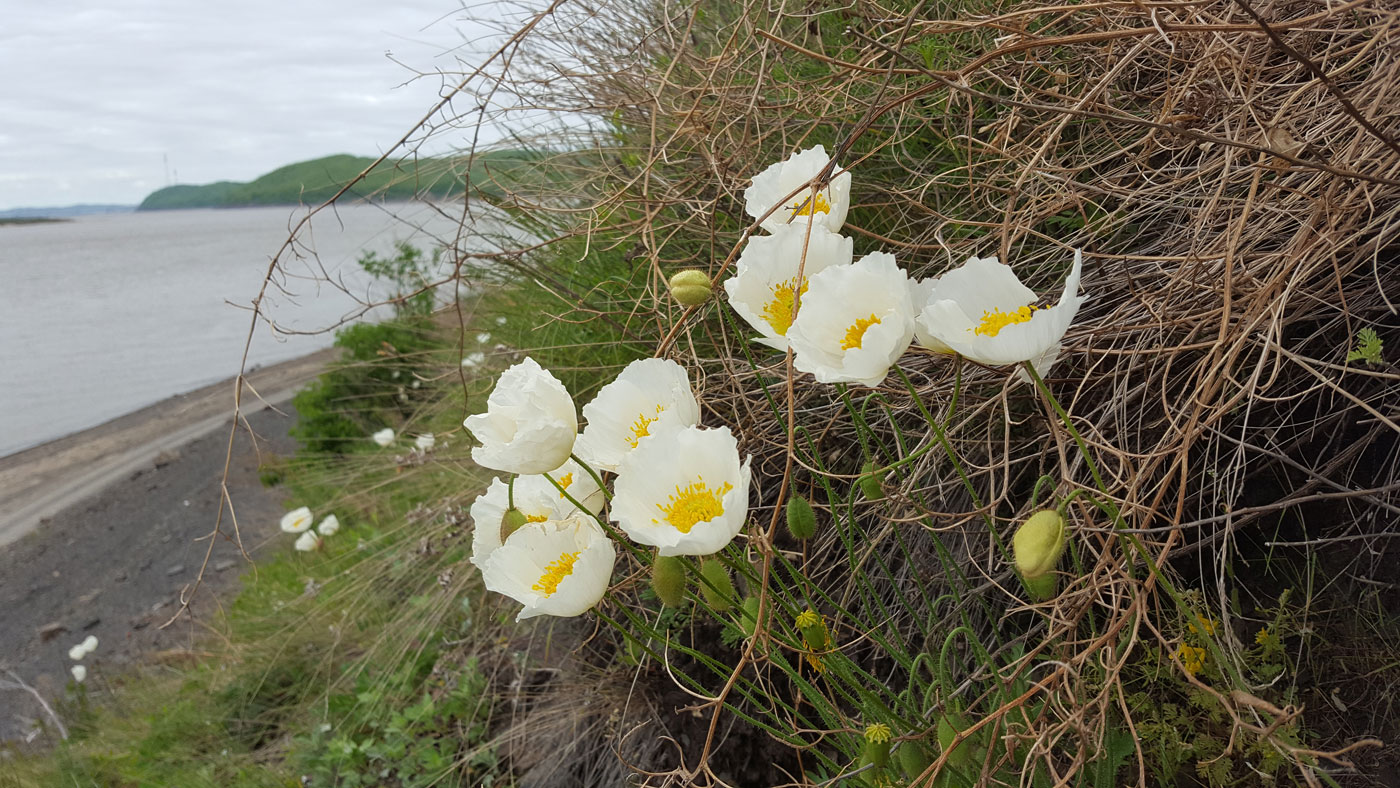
<point>1368,348</point>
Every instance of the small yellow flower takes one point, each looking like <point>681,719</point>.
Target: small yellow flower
<point>1193,658</point>
<point>1206,626</point>
<point>1266,638</point>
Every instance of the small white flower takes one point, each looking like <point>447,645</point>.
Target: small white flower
<point>89,644</point>
<point>329,525</point>
<point>79,673</point>
<point>765,284</point>
<point>500,321</point>
<point>529,425</point>
<point>308,542</point>
<point>536,498</point>
<point>554,568</point>
<point>417,384</point>
<point>77,652</point>
<point>483,338</point>
<point>855,322</point>
<point>384,437</point>
<point>297,520</point>
<point>649,397</point>
<point>425,441</point>
<point>473,360</point>
<point>982,311</point>
<point>772,187</point>
<point>684,493</point>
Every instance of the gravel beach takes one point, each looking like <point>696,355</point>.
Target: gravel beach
<point>101,532</point>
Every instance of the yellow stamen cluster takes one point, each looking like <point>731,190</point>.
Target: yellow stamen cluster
<point>856,332</point>
<point>807,618</point>
<point>995,320</point>
<point>642,427</point>
<point>555,573</point>
<point>566,480</point>
<point>778,310</point>
<point>806,207</point>
<point>536,518</point>
<point>695,503</point>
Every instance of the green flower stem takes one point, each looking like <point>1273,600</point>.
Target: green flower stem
<point>942,437</point>
<point>592,474</point>
<point>510,492</point>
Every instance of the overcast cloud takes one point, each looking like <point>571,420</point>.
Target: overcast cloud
<point>97,92</point>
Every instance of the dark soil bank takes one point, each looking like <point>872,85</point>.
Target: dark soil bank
<point>114,565</point>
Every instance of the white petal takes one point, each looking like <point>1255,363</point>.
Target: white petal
<point>297,520</point>
<point>79,673</point>
<point>329,526</point>
<point>384,437</point>
<point>308,542</point>
<point>529,425</point>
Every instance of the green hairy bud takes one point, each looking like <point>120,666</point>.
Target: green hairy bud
<point>870,481</point>
<point>748,616</point>
<point>690,288</point>
<point>513,521</point>
<point>801,520</point>
<point>668,580</point>
<point>914,758</point>
<point>716,587</point>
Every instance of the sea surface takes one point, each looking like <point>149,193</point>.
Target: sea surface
<point>106,314</point>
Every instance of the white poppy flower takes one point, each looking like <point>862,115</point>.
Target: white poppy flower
<point>855,322</point>
<point>89,644</point>
<point>529,425</point>
<point>554,568</point>
<point>684,493</point>
<point>982,311</point>
<point>384,437</point>
<point>765,281</point>
<point>329,525</point>
<point>308,542</point>
<point>79,673</point>
<point>772,187</point>
<point>473,360</point>
<point>425,441</point>
<point>77,652</point>
<point>536,498</point>
<point>483,338</point>
<point>649,397</point>
<point>297,520</point>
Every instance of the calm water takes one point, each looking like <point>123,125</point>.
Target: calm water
<point>107,314</point>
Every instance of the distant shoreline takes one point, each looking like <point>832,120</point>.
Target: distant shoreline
<point>32,220</point>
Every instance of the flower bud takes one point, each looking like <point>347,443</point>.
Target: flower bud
<point>668,580</point>
<point>914,758</point>
<point>949,725</point>
<point>813,629</point>
<point>511,522</point>
<point>748,616</point>
<point>870,481</point>
<point>1038,543</point>
<point>801,520</point>
<point>690,287</point>
<point>716,586</point>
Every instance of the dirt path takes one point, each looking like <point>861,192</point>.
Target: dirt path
<point>103,528</point>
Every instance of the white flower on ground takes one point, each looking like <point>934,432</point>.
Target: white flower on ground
<point>384,437</point>
<point>90,644</point>
<point>425,441</point>
<point>308,542</point>
<point>473,360</point>
<point>684,493</point>
<point>329,525</point>
<point>982,311</point>
<point>79,673</point>
<point>77,652</point>
<point>554,568</point>
<point>536,498</point>
<point>297,520</point>
<point>500,321</point>
<point>855,322</point>
<point>765,283</point>
<point>649,397</point>
<point>772,186</point>
<point>483,338</point>
<point>529,425</point>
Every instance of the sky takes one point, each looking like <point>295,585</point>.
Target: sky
<point>105,101</point>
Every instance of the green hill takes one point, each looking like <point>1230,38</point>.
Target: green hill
<point>312,182</point>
